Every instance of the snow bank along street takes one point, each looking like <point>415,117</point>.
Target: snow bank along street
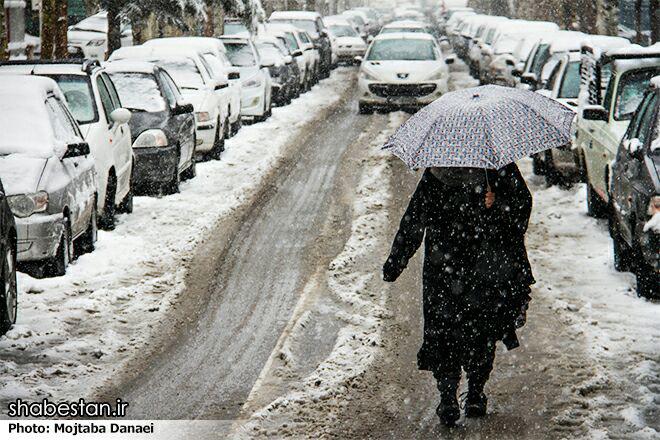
<point>196,229</point>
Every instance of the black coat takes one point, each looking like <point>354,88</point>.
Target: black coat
<point>475,261</point>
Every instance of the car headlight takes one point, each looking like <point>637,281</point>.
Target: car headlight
<point>654,206</point>
<point>151,138</point>
<point>252,83</point>
<point>95,42</point>
<point>203,116</point>
<point>368,77</point>
<point>24,205</point>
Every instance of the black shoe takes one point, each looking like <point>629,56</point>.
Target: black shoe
<point>475,405</point>
<point>449,412</point>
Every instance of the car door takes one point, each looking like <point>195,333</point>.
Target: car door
<point>120,135</point>
<point>629,165</point>
<point>74,193</point>
<point>183,126</point>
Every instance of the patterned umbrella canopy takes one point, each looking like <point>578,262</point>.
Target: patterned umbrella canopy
<point>481,127</point>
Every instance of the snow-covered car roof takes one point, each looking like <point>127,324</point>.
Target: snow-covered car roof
<point>634,51</point>
<point>50,68</point>
<point>573,43</point>
<point>24,120</point>
<point>294,15</point>
<point>406,23</point>
<point>337,19</point>
<point>404,35</point>
<point>150,52</point>
<point>202,43</point>
<point>133,66</point>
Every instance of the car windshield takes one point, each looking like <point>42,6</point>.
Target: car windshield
<point>570,84</point>
<point>631,90</point>
<point>77,90</point>
<point>184,72</point>
<point>342,30</point>
<point>235,28</point>
<point>291,41</point>
<point>391,30</point>
<point>540,58</point>
<point>138,91</point>
<point>402,49</point>
<point>307,25</point>
<point>25,128</point>
<point>270,54</point>
<point>240,54</point>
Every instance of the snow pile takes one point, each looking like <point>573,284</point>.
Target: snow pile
<point>75,331</point>
<point>621,332</point>
<point>360,339</point>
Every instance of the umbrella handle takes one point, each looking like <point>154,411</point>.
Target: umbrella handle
<point>487,183</point>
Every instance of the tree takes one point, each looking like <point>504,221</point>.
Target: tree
<point>48,28</point>
<point>61,28</point>
<point>639,38</point>
<point>654,11</point>
<point>3,34</point>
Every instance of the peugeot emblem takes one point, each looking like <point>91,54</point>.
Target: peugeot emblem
<point>402,75</point>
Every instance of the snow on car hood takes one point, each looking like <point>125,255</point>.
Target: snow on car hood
<point>248,72</point>
<point>403,71</point>
<point>350,41</point>
<point>21,174</point>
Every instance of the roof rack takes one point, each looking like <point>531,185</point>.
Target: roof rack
<point>87,65</point>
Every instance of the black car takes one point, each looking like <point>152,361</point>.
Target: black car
<point>162,126</point>
<point>635,196</point>
<point>284,72</point>
<point>9,292</point>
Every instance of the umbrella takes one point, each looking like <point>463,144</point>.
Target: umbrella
<point>481,127</point>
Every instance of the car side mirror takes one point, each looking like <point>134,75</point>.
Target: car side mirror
<point>234,75</point>
<point>288,59</point>
<point>634,147</point>
<point>76,149</point>
<point>370,38</point>
<point>595,113</point>
<point>358,59</point>
<point>528,78</point>
<point>324,33</point>
<point>509,62</point>
<point>120,115</point>
<point>450,59</point>
<point>297,53</point>
<point>183,109</point>
<point>220,83</point>
<point>266,64</point>
<point>516,73</point>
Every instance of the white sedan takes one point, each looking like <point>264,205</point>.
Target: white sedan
<point>402,70</point>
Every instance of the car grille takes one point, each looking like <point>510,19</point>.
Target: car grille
<point>392,90</point>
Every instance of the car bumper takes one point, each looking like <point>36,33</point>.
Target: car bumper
<point>38,236</point>
<point>154,166</point>
<point>252,102</point>
<point>378,93</point>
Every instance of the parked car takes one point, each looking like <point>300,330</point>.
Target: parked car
<point>221,69</point>
<point>358,23</point>
<point>163,126</point>
<point>256,93</point>
<point>613,85</point>
<point>635,196</point>
<point>235,26</point>
<point>48,175</point>
<point>313,55</point>
<point>284,72</point>
<point>290,34</point>
<point>404,70</point>
<point>192,74</point>
<point>348,42</point>
<point>370,27</point>
<point>312,23</point>
<point>9,290</point>
<point>89,37</point>
<point>95,104</point>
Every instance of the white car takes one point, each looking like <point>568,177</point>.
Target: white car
<point>215,54</point>
<point>347,42</point>
<point>47,175</point>
<point>89,37</point>
<point>255,79</point>
<point>94,102</point>
<point>193,76</point>
<point>403,70</point>
<point>303,58</point>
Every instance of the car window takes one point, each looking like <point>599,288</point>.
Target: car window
<point>240,54</point>
<point>63,129</point>
<point>184,71</point>
<point>304,37</point>
<point>402,49</point>
<point>116,101</point>
<point>570,83</point>
<point>210,72</point>
<point>172,86</point>
<point>139,91</point>
<point>168,92</point>
<point>307,25</point>
<point>342,30</point>
<point>648,111</point>
<point>214,63</point>
<point>550,83</point>
<point>106,100</point>
<point>632,87</point>
<point>79,96</point>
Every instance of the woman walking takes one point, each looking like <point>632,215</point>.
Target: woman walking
<point>471,208</point>
<point>476,274</point>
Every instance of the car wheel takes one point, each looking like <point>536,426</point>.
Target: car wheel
<point>126,205</point>
<point>87,241</point>
<point>9,303</point>
<point>236,126</point>
<point>595,206</point>
<point>56,266</point>
<point>365,109</point>
<point>107,220</point>
<point>538,167</point>
<point>218,143</point>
